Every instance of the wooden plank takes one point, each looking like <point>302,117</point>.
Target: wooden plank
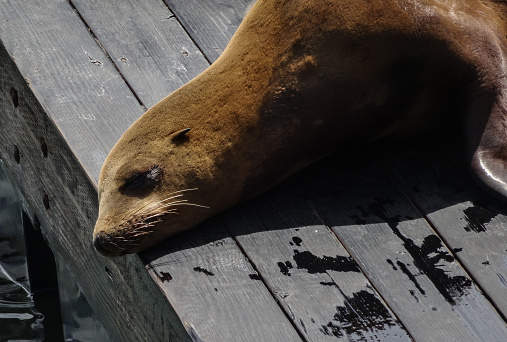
<point>210,23</point>
<point>62,201</point>
<point>402,256</point>
<point>473,224</point>
<point>317,282</point>
<point>146,43</point>
<point>214,288</point>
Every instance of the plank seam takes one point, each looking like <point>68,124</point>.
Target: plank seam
<point>173,14</point>
<point>277,301</point>
<point>107,55</point>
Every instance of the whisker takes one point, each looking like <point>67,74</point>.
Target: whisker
<point>182,202</point>
<point>172,195</point>
<point>140,222</point>
<point>153,206</point>
<point>164,205</point>
<point>194,205</point>
<point>179,194</point>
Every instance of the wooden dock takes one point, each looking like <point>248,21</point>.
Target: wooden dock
<point>392,242</point>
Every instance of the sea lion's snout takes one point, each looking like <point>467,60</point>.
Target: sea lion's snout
<point>102,244</point>
<point>148,220</point>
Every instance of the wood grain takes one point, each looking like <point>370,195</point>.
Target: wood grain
<point>146,43</point>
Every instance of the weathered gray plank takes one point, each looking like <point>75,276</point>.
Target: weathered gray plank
<point>473,224</point>
<point>316,281</point>
<point>58,190</point>
<point>72,78</point>
<point>402,256</point>
<point>210,23</point>
<point>147,44</point>
<point>214,289</point>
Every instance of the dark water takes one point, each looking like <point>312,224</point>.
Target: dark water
<point>58,312</point>
<point>19,320</point>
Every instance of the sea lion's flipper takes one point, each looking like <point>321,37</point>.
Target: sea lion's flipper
<point>486,124</point>
<point>488,146</point>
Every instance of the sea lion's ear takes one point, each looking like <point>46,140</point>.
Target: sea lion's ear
<point>179,135</point>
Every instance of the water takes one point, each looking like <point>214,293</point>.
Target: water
<point>50,306</point>
<point>19,319</point>
<point>79,321</point>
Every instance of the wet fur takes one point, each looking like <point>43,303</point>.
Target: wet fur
<point>302,79</point>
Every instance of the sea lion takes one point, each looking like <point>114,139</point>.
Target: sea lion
<point>299,80</point>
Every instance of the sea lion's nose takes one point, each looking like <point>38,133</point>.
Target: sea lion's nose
<point>99,242</point>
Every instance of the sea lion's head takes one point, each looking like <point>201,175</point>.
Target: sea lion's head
<point>162,178</point>
<point>142,200</point>
<point>186,159</point>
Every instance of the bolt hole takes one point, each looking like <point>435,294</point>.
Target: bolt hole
<point>44,147</point>
<point>14,97</point>
<point>45,201</point>
<point>16,154</point>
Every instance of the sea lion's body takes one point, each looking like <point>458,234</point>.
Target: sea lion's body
<point>300,80</point>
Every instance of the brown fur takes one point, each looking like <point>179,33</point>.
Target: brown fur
<point>299,80</point>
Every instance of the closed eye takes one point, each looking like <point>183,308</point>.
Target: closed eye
<point>141,183</point>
